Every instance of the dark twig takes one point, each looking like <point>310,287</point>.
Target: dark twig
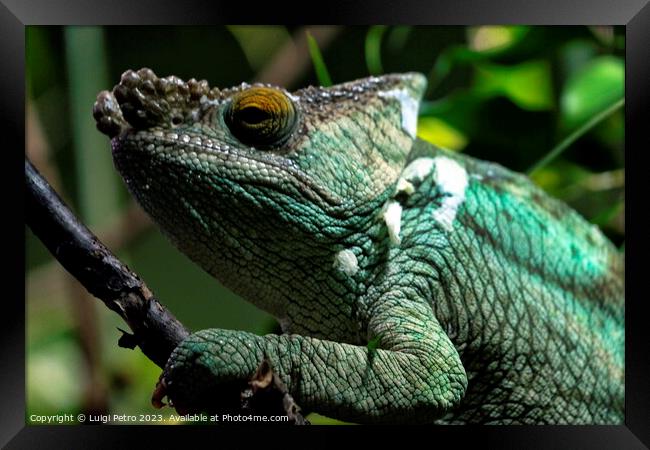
<point>155,330</point>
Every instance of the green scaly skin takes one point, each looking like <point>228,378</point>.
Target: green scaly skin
<point>493,303</point>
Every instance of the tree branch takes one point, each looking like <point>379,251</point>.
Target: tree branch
<point>155,330</point>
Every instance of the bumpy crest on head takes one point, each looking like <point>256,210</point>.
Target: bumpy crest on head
<point>345,143</point>
<point>142,100</point>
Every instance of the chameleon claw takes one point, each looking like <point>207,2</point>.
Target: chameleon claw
<point>159,394</point>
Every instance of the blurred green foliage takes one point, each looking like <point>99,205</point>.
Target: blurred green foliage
<point>512,95</point>
<point>320,68</point>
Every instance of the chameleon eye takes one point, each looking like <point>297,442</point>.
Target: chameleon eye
<point>261,116</point>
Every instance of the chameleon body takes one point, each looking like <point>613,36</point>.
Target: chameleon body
<point>412,284</point>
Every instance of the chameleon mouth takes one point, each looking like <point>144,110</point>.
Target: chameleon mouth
<point>142,100</point>
<point>140,115</point>
<point>229,162</point>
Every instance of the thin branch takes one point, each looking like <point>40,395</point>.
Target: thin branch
<point>127,227</point>
<point>155,330</point>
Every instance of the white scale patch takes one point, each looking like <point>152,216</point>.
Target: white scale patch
<point>415,172</point>
<point>346,262</point>
<point>452,179</point>
<point>408,106</point>
<point>393,217</point>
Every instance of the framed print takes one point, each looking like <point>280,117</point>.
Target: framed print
<point>425,222</point>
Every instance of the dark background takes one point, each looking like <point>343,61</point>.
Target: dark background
<point>507,94</point>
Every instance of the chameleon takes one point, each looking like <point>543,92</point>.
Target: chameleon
<point>411,283</point>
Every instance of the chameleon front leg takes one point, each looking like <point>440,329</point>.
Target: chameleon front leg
<point>414,373</point>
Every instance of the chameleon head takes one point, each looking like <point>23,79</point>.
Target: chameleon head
<point>222,171</point>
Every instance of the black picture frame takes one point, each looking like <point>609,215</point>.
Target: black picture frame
<point>633,14</point>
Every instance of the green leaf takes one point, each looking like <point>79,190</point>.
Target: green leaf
<point>557,177</point>
<point>317,419</point>
<point>454,55</point>
<point>39,60</point>
<point>607,214</point>
<point>605,34</point>
<point>440,133</point>
<point>397,38</point>
<point>598,85</point>
<point>259,43</point>
<point>495,39</point>
<point>87,69</point>
<point>58,364</point>
<point>528,84</point>
<point>317,59</point>
<point>575,55</point>
<point>460,110</point>
<point>571,138</point>
<point>483,43</point>
<point>373,49</point>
